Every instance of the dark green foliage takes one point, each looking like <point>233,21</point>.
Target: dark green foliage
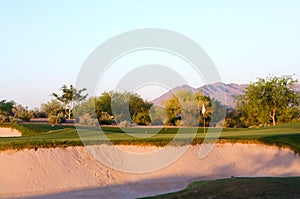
<point>103,104</point>
<point>173,121</point>
<point>233,119</point>
<point>142,119</point>
<point>6,108</point>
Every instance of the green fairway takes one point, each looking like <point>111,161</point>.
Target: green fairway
<point>43,135</point>
<point>242,188</point>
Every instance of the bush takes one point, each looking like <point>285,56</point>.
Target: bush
<point>157,121</point>
<point>87,119</point>
<point>22,113</point>
<point>142,119</point>
<point>172,121</point>
<point>3,118</point>
<point>124,123</point>
<point>54,120</point>
<point>105,118</point>
<point>12,119</point>
<point>39,114</point>
<point>63,119</point>
<point>26,116</point>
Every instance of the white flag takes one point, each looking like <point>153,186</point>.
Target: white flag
<point>203,109</point>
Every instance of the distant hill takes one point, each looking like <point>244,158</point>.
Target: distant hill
<point>297,87</point>
<point>218,90</point>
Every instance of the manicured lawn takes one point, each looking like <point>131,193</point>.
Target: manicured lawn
<point>43,135</point>
<point>242,188</point>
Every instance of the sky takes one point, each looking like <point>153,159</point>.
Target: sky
<point>43,44</point>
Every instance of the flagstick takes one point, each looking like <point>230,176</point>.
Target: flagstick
<point>204,124</point>
<point>203,111</point>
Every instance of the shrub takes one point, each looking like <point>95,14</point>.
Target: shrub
<point>3,118</point>
<point>22,113</point>
<point>12,119</point>
<point>26,116</point>
<point>142,119</point>
<point>54,120</point>
<point>179,123</point>
<point>172,121</point>
<point>63,119</point>
<point>124,123</point>
<point>157,121</point>
<point>87,119</point>
<point>105,118</point>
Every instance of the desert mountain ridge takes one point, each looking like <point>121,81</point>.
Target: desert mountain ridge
<point>225,93</point>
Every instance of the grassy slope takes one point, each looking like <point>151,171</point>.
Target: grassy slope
<point>242,188</point>
<point>41,135</point>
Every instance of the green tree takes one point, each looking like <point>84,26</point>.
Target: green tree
<point>103,103</point>
<point>6,107</point>
<point>186,106</point>
<point>127,106</point>
<point>139,109</point>
<point>52,108</point>
<point>120,106</point>
<point>173,110</point>
<point>22,113</point>
<point>70,97</point>
<point>268,99</point>
<point>157,115</point>
<point>88,106</point>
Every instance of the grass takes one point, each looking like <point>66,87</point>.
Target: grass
<point>242,188</point>
<point>45,136</point>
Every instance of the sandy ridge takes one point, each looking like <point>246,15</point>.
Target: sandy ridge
<point>30,172</point>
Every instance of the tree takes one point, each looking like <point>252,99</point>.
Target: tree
<point>157,115</point>
<point>118,105</point>
<point>127,106</point>
<point>139,109</point>
<point>173,110</point>
<point>103,103</point>
<point>22,113</point>
<point>186,106</point>
<point>70,97</point>
<point>6,107</point>
<point>52,108</point>
<point>268,99</point>
<point>6,111</point>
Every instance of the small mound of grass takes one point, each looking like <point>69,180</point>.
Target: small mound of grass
<point>242,188</point>
<point>22,129</point>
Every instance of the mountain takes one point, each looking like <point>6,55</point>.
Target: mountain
<point>169,94</point>
<point>297,87</point>
<point>217,90</point>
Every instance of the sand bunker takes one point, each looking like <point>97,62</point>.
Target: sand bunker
<point>73,173</point>
<point>9,132</point>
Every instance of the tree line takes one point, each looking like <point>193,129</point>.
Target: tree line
<point>267,101</point>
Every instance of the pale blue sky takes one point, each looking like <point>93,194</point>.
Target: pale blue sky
<point>44,43</point>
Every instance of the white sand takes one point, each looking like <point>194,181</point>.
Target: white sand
<point>9,132</point>
<point>73,173</point>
